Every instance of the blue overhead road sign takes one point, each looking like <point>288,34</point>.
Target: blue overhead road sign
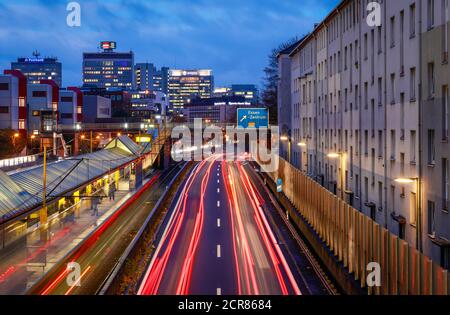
<point>252,118</point>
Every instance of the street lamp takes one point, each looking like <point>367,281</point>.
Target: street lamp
<point>416,180</point>
<point>302,145</point>
<point>286,138</point>
<point>341,158</point>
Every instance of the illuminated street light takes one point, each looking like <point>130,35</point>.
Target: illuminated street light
<point>284,138</point>
<point>301,144</point>
<point>406,180</point>
<point>334,155</point>
<point>16,135</point>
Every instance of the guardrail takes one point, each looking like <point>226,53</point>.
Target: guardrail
<point>357,240</point>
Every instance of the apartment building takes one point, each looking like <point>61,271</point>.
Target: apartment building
<point>370,115</point>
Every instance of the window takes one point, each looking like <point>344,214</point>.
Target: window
<point>431,147</point>
<point>380,91</point>
<point>366,142</point>
<point>380,195</point>
<point>402,45</point>
<point>39,93</point>
<point>444,16</point>
<point>412,149</point>
<point>393,31</point>
<point>431,220</point>
<point>67,99</point>
<point>445,184</point>
<point>413,84</point>
<point>4,86</point>
<point>431,80</point>
<point>66,116</point>
<point>413,209</point>
<point>445,115</point>
<point>380,143</point>
<point>393,145</point>
<point>366,49</point>
<point>392,88</point>
<point>380,40</point>
<point>430,13</point>
<point>36,113</point>
<point>412,20</point>
<point>4,110</point>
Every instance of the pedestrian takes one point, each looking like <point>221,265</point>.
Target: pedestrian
<point>95,202</point>
<point>112,191</point>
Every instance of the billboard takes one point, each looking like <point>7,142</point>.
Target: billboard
<point>252,118</point>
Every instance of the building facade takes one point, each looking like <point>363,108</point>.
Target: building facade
<point>13,100</point>
<point>147,105</point>
<point>37,68</point>
<point>108,69</point>
<point>185,85</point>
<point>370,115</point>
<point>42,106</point>
<point>148,78</point>
<point>96,107</point>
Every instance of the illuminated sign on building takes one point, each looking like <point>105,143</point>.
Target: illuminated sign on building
<point>108,45</point>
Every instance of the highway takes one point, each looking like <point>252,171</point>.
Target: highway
<point>217,240</point>
<point>100,252</point>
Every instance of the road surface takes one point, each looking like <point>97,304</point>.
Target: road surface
<point>216,240</point>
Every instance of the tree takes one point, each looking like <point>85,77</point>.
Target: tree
<point>269,94</point>
<point>11,143</point>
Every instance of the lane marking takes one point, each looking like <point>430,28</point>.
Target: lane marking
<point>219,291</point>
<point>218,222</point>
<point>219,251</point>
<point>218,181</point>
<point>218,203</point>
<point>218,190</point>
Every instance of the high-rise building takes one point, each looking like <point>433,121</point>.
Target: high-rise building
<point>108,69</point>
<point>37,68</point>
<point>185,85</point>
<point>249,91</point>
<point>378,98</point>
<point>148,78</point>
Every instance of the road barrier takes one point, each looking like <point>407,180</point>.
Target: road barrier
<point>357,240</point>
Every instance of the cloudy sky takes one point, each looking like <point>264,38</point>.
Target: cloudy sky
<point>232,37</point>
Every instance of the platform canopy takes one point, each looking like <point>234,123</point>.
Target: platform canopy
<point>22,190</point>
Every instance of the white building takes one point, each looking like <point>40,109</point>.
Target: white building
<point>13,94</point>
<point>369,106</point>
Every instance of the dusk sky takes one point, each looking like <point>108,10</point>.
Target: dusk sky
<point>232,37</point>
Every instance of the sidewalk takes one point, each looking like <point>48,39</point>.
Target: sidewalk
<point>26,261</point>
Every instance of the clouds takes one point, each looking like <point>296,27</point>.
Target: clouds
<point>233,37</point>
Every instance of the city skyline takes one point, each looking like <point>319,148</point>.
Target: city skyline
<point>168,37</point>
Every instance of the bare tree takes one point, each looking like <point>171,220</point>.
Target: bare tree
<point>269,94</point>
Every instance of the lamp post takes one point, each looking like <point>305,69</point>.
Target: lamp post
<point>415,180</point>
<point>341,158</point>
<point>304,145</point>
<point>15,136</point>
<point>287,138</point>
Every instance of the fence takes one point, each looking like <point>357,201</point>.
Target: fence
<point>356,240</point>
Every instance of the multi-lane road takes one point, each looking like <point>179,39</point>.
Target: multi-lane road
<point>217,239</point>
